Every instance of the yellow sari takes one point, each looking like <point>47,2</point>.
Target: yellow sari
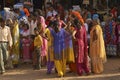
<point>50,55</point>
<point>16,43</point>
<point>97,49</point>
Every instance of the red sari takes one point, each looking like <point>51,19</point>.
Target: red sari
<point>81,51</point>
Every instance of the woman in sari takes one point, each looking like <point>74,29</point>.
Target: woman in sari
<point>14,52</point>
<point>117,32</point>
<point>50,54</point>
<point>42,25</point>
<point>97,48</point>
<point>110,37</point>
<point>70,47</point>
<point>16,43</point>
<point>69,44</point>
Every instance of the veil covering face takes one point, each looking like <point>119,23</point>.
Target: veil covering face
<point>42,21</point>
<point>78,15</point>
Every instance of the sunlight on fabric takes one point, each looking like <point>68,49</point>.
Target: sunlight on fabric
<point>92,77</point>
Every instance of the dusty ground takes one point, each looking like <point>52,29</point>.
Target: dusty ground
<point>25,72</point>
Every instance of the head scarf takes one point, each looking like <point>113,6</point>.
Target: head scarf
<point>42,21</point>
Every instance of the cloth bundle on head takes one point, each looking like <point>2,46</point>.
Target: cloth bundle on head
<point>88,20</point>
<point>95,16</point>
<point>7,9</point>
<point>24,19</point>
<point>8,14</point>
<point>78,15</point>
<point>76,8</point>
<point>97,20</point>
<point>18,6</point>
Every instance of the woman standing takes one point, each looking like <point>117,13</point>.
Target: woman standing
<point>59,48</point>
<point>69,44</point>
<point>50,54</point>
<point>97,48</point>
<point>117,32</point>
<point>16,43</point>
<point>69,47</point>
<point>80,47</point>
<point>61,22</point>
<point>110,37</point>
<point>13,24</point>
<point>42,26</point>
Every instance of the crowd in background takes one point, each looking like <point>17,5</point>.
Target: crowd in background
<point>57,37</point>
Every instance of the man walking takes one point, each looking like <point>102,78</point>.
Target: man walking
<point>5,44</point>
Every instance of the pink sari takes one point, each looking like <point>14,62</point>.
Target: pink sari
<point>44,46</point>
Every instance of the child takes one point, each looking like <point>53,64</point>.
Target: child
<point>37,49</point>
<point>25,36</point>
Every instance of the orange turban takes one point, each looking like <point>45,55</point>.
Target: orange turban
<point>78,15</point>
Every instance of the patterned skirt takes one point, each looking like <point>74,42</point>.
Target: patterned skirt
<point>111,50</point>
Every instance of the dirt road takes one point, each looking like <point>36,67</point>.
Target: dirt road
<point>25,72</point>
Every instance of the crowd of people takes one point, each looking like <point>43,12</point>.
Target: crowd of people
<point>57,37</point>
